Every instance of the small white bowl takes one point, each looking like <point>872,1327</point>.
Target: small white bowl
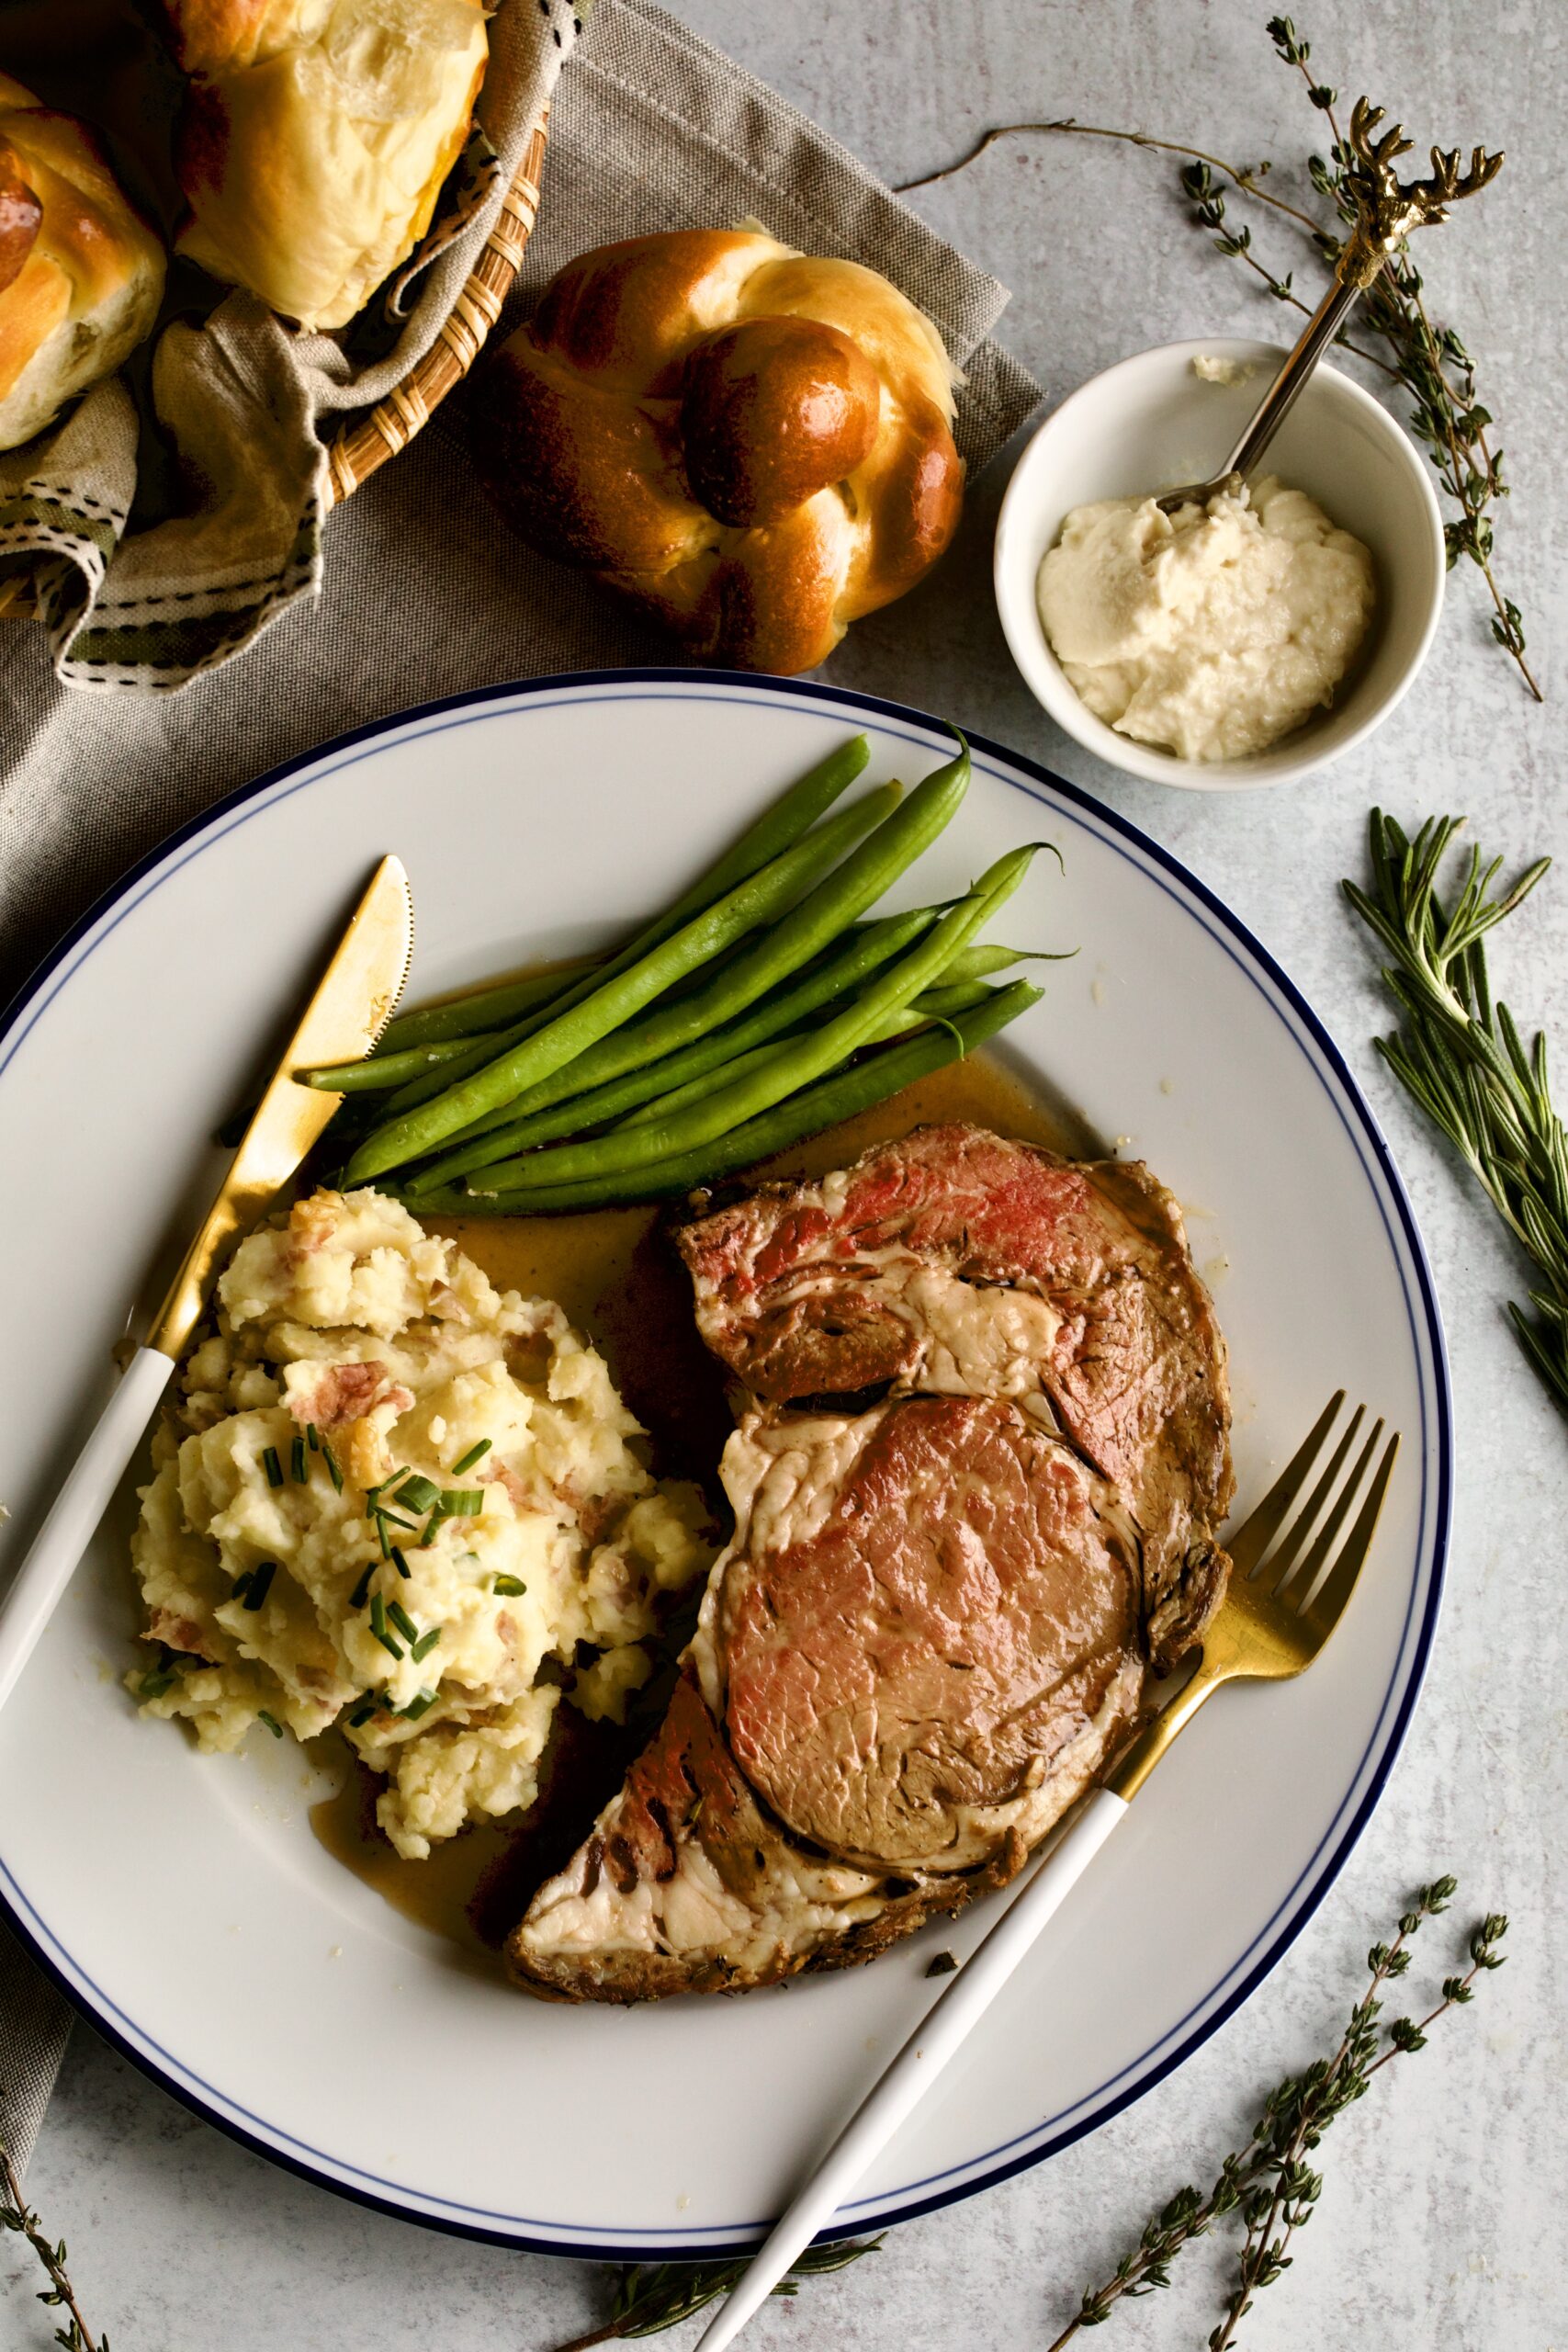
<point>1149,425</point>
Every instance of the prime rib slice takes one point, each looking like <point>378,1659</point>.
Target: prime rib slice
<point>916,1652</point>
<point>959,1262</point>
<point>977,1486</point>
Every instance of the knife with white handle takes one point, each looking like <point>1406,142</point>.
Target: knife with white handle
<point>946,2026</point>
<point>344,1018</point>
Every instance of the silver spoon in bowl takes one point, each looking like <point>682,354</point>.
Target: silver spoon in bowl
<point>1387,210</point>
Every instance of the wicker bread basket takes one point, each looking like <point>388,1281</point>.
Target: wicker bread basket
<point>365,444</point>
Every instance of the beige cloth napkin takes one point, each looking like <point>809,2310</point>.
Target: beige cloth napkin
<point>424,593</point>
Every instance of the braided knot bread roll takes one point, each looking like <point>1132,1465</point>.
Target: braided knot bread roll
<point>316,138</point>
<point>81,274</point>
<point>753,444</point>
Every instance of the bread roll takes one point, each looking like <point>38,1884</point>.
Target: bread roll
<point>316,138</point>
<point>753,444</point>
<point>81,274</point>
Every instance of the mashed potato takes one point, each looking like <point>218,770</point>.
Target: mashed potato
<point>392,1497</point>
<point>1213,630</point>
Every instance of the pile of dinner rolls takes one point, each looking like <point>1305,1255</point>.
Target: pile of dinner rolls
<point>313,142</point>
<point>752,444</point>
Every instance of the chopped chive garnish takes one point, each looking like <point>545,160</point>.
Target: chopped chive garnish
<point>312,1437</point>
<point>417,1492</point>
<point>403,1620</point>
<point>474,1454</point>
<point>432,1529</point>
<point>418,1706</point>
<point>358,1597</point>
<point>393,1649</point>
<point>272,1465</point>
<point>508,1585</point>
<point>462,1502</point>
<point>395,1519</point>
<point>378,1613</point>
<point>297,1469</point>
<point>398,1562</point>
<point>154,1685</point>
<point>333,1473</point>
<point>271,1722</point>
<point>242,1585</point>
<point>362,1713</point>
<point>421,1648</point>
<point>261,1584</point>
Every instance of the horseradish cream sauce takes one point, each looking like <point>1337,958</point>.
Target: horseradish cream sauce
<point>1213,631</point>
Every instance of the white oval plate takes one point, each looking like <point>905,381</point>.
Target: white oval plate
<point>182,1900</point>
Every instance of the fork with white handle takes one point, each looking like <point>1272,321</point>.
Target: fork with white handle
<point>1287,1593</point>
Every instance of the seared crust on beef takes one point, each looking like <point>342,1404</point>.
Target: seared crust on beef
<point>687,1819</point>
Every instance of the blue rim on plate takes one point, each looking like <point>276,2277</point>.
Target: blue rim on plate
<point>1053,2133</point>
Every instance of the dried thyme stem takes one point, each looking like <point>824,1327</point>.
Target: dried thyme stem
<point>652,2296</point>
<point>1268,2182</point>
<point>17,2214</point>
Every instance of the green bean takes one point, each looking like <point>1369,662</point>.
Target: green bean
<point>843,1096</point>
<point>566,1034</point>
<point>548,1112</point>
<point>934,1004</point>
<point>977,963</point>
<point>380,1073</point>
<point>457,1018</point>
<point>791,1066</point>
<point>776,828</point>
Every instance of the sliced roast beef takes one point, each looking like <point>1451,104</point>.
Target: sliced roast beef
<point>924,1609</point>
<point>940,1607</point>
<point>959,1262</point>
<point>686,1887</point>
<point>919,1648</point>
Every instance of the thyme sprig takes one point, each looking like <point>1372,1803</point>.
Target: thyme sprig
<point>1397,334</point>
<point>652,2296</point>
<point>17,2214</point>
<point>1432,364</point>
<point>1269,2184</point>
<point>1459,1056</point>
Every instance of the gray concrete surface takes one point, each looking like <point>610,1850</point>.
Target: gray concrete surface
<point>1442,2219</point>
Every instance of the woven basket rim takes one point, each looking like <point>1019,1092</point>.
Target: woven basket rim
<point>361,447</point>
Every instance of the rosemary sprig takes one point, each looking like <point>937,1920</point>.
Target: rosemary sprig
<point>1397,334</point>
<point>652,2296</point>
<point>15,2214</point>
<point>1459,1056</point>
<point>1268,2184</point>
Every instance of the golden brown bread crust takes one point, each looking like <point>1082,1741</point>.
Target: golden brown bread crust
<point>21,216</point>
<point>752,445</point>
<point>316,136</point>
<point>81,274</point>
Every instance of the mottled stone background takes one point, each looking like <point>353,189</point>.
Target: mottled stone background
<point>1442,2217</point>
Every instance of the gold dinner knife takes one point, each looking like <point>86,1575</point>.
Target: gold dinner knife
<point>344,1018</point>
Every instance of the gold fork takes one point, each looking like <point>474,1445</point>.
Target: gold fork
<point>1283,1599</point>
<point>1288,1591</point>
